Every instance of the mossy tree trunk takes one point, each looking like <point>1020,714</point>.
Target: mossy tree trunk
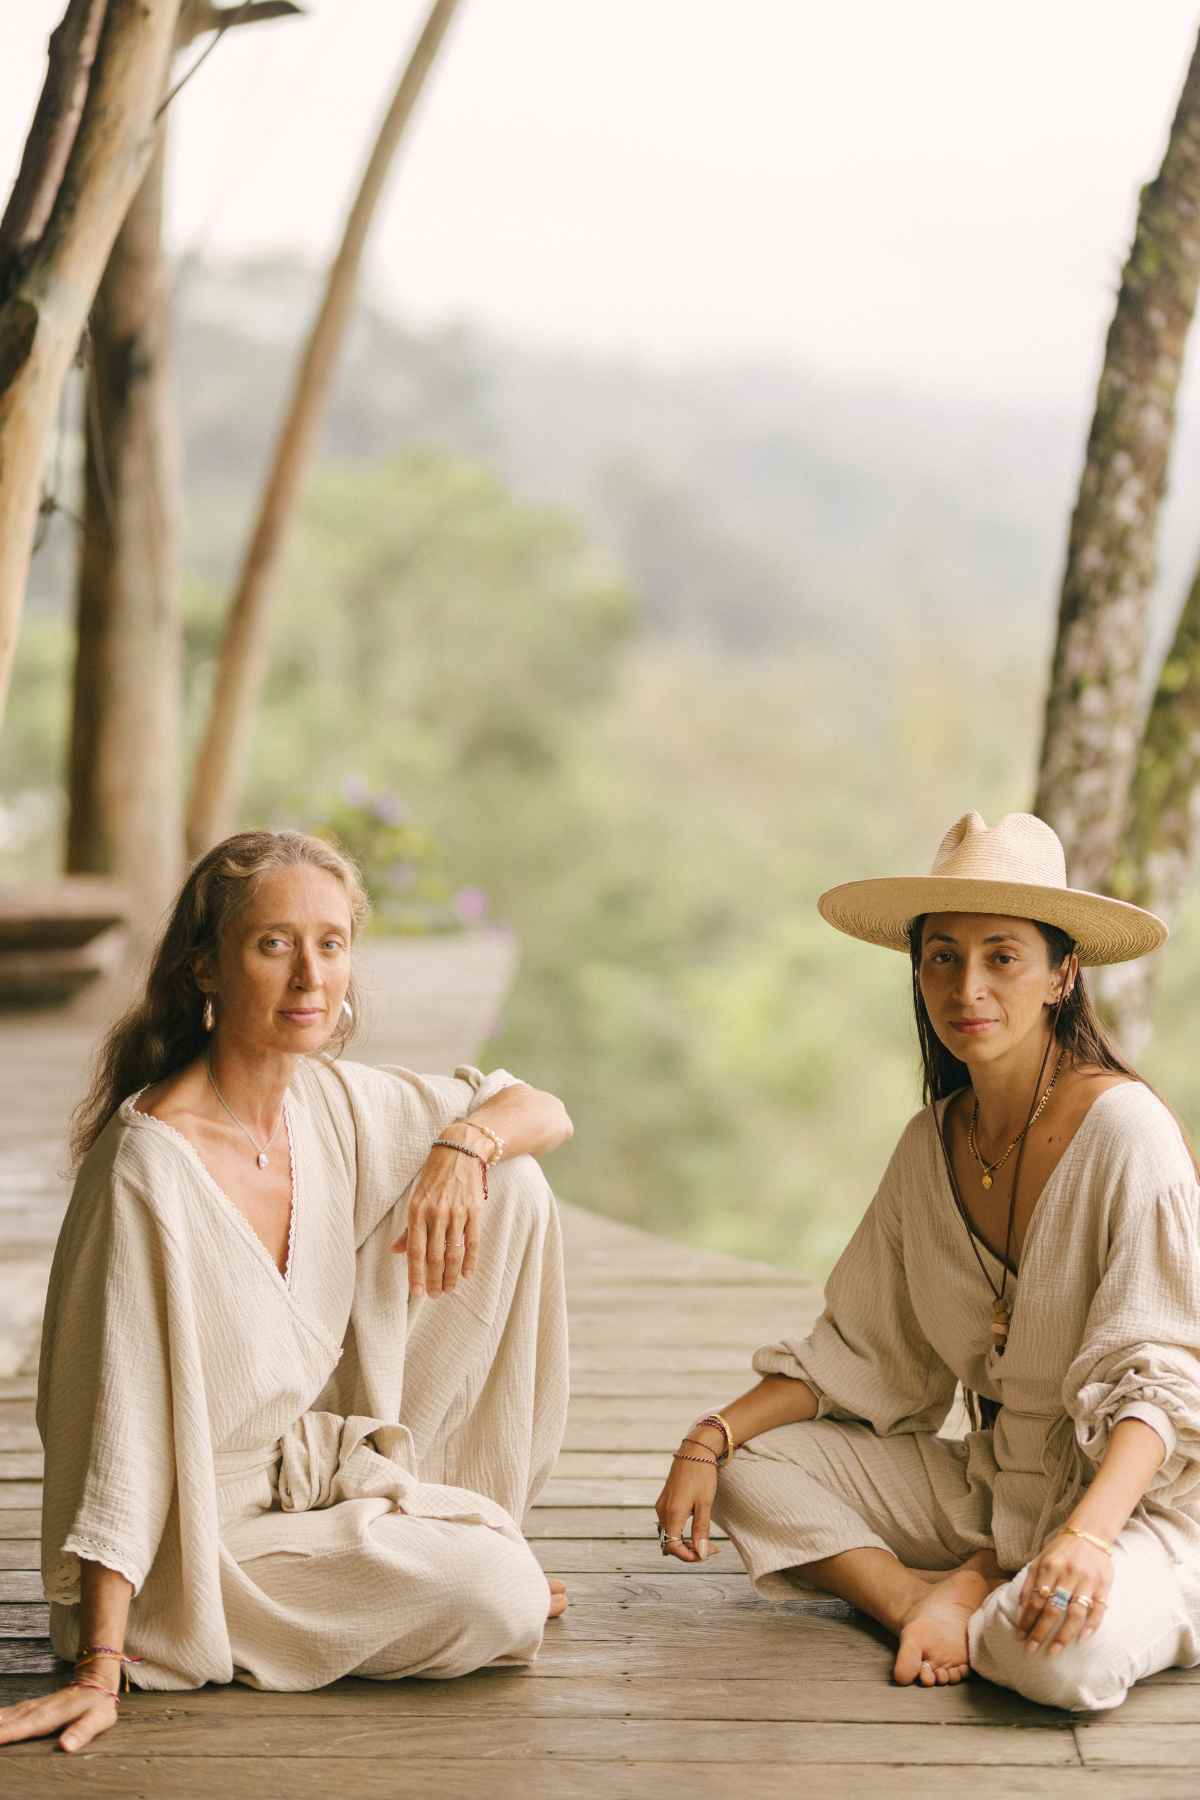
<point>1093,717</point>
<point>125,810</point>
<point>43,314</point>
<point>125,773</point>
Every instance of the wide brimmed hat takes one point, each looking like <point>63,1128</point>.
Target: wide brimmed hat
<point>1017,869</point>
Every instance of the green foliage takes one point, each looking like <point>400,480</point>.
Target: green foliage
<point>400,864</point>
<point>656,821</point>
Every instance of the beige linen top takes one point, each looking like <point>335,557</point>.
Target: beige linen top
<point>1105,1322</point>
<point>173,1350</point>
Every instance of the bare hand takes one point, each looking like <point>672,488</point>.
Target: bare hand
<point>442,1235</point>
<point>1072,1566</point>
<point>80,1714</point>
<point>688,1495</point>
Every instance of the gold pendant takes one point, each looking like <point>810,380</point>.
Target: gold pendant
<point>999,1327</point>
<point>986,1178</point>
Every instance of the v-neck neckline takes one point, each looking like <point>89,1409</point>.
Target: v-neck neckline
<point>131,1111</point>
<point>962,1214</point>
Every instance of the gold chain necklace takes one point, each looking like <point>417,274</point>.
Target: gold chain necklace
<point>989,1169</point>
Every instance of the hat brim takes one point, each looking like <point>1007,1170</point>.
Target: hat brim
<point>880,911</point>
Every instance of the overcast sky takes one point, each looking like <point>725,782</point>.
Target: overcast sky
<point>934,191</point>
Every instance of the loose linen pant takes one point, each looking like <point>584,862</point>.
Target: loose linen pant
<point>365,1587</point>
<point>804,1492</point>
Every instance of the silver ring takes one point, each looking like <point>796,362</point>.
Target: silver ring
<point>1060,1599</point>
<point>664,1540</point>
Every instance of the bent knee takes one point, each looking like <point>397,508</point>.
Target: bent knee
<point>1083,1677</point>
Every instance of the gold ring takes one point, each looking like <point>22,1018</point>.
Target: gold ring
<point>1084,1600</point>
<point>1045,1592</point>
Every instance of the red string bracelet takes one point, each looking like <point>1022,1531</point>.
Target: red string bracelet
<point>445,1144</point>
<point>90,1652</point>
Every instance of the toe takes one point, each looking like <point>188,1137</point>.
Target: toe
<point>908,1662</point>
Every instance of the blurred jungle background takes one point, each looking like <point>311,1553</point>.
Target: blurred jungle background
<point>687,529</point>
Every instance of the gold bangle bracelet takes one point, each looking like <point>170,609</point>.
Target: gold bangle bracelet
<point>1089,1537</point>
<point>715,1418</point>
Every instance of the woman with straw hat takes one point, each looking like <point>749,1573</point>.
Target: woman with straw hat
<point>1036,1238</point>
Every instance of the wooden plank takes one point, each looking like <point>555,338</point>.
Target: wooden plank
<point>646,1465</point>
<point>24,1621</point>
<point>18,1553</point>
<point>26,1656</point>
<point>578,1491</point>
<point>504,1693</point>
<point>606,1556</point>
<point>21,1465</point>
<point>1158,1746</point>
<point>599,1522</point>
<point>21,1522</point>
<point>45,1774</point>
<point>17,1496</point>
<point>686,1741</point>
<point>25,1585</point>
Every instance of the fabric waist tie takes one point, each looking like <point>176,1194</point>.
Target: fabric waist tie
<point>230,1464</point>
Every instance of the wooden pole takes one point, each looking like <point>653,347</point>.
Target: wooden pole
<point>241,670</point>
<point>43,318</point>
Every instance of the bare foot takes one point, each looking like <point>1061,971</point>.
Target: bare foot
<point>933,1633</point>
<point>558,1598</point>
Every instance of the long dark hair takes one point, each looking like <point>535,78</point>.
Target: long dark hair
<point>164,1030</point>
<point>1077,1025</point>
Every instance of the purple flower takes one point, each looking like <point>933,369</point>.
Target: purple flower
<point>471,905</point>
<point>355,791</point>
<point>389,810</point>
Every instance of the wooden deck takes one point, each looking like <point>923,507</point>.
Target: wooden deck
<point>660,1679</point>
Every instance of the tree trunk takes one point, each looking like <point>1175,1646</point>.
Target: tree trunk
<point>1093,714</point>
<point>241,670</point>
<point>51,136</point>
<point>1158,851</point>
<point>125,777</point>
<point>42,320</point>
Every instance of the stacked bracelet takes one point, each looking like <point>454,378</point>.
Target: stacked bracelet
<point>92,1653</point>
<point>448,1144</point>
<point>722,1425</point>
<point>478,1125</point>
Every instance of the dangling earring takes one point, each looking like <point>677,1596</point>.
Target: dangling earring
<point>210,1017</point>
<point>349,1012</point>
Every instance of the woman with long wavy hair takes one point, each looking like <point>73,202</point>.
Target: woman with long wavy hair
<point>1036,1239</point>
<point>304,1355</point>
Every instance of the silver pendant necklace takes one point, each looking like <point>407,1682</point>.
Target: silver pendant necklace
<point>260,1150</point>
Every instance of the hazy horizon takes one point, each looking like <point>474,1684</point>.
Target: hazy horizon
<point>936,198</point>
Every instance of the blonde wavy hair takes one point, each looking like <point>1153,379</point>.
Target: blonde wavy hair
<point>164,1030</point>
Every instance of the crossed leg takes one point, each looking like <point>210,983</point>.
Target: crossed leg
<point>894,1525</point>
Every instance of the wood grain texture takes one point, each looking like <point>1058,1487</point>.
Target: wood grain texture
<point>661,1679</point>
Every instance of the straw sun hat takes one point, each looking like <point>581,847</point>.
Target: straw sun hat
<point>1016,869</point>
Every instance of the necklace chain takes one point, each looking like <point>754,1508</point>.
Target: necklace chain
<point>989,1169</point>
<point>260,1150</point>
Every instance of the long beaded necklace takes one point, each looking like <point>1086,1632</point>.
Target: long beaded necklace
<point>989,1169</point>
<point>1002,1310</point>
<point>261,1157</point>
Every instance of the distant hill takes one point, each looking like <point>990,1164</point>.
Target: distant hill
<point>751,505</point>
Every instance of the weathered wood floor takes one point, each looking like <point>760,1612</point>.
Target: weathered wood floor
<point>659,1680</point>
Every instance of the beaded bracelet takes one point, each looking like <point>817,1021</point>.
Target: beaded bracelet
<point>714,1418</point>
<point>447,1144</point>
<point>92,1652</point>
<point>478,1125</point>
<point>710,1462</point>
<point>98,1686</point>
